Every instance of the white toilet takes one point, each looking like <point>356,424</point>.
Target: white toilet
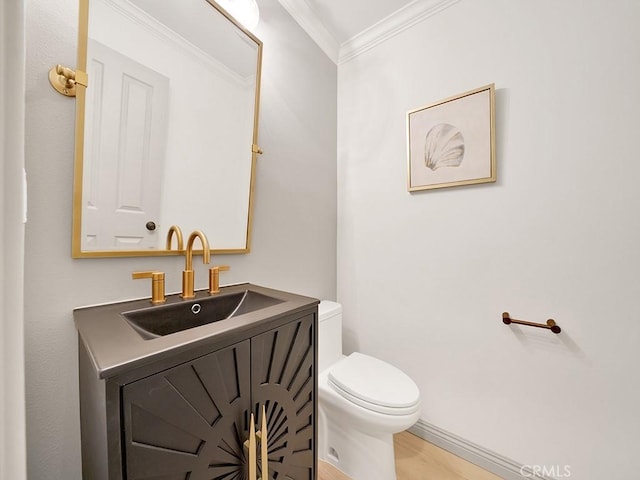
<point>362,402</point>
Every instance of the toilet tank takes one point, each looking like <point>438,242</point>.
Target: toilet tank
<point>329,334</point>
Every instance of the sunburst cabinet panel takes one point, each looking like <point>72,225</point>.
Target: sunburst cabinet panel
<point>191,421</point>
<point>283,379</point>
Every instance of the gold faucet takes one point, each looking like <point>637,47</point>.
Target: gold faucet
<point>187,274</point>
<point>175,229</point>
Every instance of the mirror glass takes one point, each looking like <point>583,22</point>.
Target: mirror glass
<point>166,130</point>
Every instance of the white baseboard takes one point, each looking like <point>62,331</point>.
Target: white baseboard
<point>490,461</point>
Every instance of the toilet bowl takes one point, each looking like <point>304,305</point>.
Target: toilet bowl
<point>362,402</point>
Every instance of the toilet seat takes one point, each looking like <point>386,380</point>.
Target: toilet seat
<point>374,384</point>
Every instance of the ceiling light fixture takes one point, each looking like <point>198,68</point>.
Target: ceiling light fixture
<point>246,12</point>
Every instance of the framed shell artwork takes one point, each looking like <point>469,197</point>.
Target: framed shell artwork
<point>452,142</point>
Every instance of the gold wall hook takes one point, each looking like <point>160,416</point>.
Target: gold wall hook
<point>64,80</point>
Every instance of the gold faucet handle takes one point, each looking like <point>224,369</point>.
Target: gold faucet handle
<point>214,278</point>
<point>157,285</point>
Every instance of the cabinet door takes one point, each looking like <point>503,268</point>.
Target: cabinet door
<point>283,380</point>
<point>190,421</point>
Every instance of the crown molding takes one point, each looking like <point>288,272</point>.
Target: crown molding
<point>408,16</point>
<point>404,18</point>
<point>148,23</point>
<point>309,21</point>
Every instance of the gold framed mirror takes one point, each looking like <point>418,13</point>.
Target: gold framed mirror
<point>166,129</point>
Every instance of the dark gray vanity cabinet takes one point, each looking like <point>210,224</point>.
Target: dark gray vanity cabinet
<point>190,420</point>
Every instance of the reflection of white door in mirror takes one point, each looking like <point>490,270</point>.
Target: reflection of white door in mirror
<point>124,151</point>
<point>212,69</point>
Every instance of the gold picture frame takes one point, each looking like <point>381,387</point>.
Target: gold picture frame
<point>452,142</point>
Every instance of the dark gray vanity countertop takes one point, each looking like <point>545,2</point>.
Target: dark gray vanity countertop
<point>115,347</point>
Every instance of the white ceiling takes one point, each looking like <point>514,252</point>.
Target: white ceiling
<point>344,28</point>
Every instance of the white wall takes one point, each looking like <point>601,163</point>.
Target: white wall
<point>293,244</point>
<point>425,277</point>
<point>12,410</point>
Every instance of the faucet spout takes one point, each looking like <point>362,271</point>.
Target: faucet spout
<point>187,274</point>
<point>178,232</point>
<point>206,252</point>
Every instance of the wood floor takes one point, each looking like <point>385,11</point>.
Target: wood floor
<point>417,459</point>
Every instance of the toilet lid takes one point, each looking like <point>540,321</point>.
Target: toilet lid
<point>374,384</point>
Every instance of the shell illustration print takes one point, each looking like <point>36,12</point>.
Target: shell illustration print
<point>444,147</point>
